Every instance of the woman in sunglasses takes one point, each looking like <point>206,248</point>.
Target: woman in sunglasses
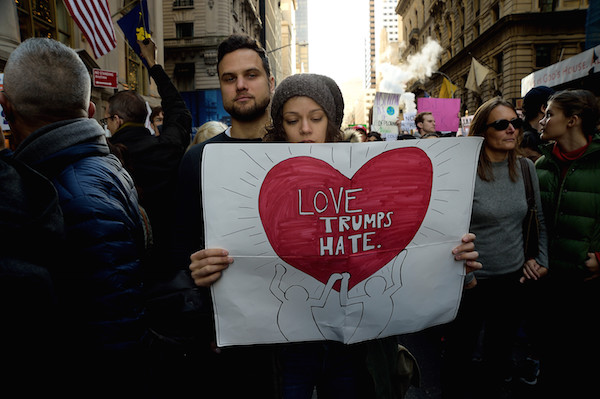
<point>569,174</point>
<point>492,296</point>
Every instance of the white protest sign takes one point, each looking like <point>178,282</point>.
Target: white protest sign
<point>465,122</point>
<point>385,113</point>
<point>390,136</point>
<point>3,123</point>
<point>327,246</point>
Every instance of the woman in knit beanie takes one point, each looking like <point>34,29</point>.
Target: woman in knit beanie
<point>326,100</point>
<point>308,108</point>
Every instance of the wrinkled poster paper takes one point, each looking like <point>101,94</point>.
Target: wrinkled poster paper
<point>345,241</point>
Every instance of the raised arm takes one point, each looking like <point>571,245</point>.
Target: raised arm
<point>275,287</point>
<point>325,294</point>
<point>396,274</point>
<point>177,126</point>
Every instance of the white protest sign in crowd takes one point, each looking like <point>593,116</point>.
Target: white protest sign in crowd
<point>386,113</point>
<point>345,241</point>
<point>3,123</point>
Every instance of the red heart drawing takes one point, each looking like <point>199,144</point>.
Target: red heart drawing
<point>321,222</point>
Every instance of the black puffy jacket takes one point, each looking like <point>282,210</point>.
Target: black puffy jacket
<point>98,276</point>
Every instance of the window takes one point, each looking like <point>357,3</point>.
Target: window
<point>547,5</point>
<point>38,18</point>
<point>184,30</point>
<point>495,12</point>
<point>449,30</point>
<point>63,23</point>
<point>183,3</point>
<point>498,62</point>
<point>134,71</point>
<point>543,55</point>
<point>184,76</point>
<point>475,30</point>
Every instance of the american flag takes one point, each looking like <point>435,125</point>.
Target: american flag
<point>93,18</point>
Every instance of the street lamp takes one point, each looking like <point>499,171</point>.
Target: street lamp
<point>288,45</point>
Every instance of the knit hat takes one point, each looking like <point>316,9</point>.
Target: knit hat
<point>338,99</point>
<point>534,99</point>
<point>322,89</point>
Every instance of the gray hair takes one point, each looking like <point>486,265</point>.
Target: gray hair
<point>45,78</point>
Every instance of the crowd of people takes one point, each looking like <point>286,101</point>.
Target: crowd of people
<point>105,276</point>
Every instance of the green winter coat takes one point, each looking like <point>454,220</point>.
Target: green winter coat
<point>571,209</point>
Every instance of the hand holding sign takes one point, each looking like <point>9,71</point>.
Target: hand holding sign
<point>383,215</point>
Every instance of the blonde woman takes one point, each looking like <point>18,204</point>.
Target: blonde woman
<point>208,130</point>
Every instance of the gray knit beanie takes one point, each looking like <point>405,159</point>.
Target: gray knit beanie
<point>322,89</point>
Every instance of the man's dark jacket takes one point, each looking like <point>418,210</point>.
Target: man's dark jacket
<point>153,161</point>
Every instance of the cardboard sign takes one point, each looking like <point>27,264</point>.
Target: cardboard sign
<point>385,113</point>
<point>3,122</point>
<point>445,112</point>
<point>328,246</point>
<point>408,123</point>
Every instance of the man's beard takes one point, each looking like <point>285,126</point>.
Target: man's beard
<point>249,114</point>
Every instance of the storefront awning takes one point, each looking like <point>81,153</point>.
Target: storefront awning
<point>577,67</point>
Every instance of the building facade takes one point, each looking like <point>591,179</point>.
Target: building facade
<point>302,59</point>
<point>23,19</point>
<point>512,38</point>
<point>187,33</point>
<point>193,30</point>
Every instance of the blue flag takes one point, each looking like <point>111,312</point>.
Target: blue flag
<point>135,26</point>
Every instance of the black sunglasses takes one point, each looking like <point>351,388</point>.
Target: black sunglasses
<point>502,124</point>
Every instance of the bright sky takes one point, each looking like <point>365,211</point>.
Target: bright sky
<point>337,30</point>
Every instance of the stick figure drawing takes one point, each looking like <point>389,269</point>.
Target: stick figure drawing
<point>295,317</point>
<point>377,303</point>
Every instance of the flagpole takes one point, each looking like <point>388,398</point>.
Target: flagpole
<point>447,77</point>
<point>444,75</point>
<point>146,40</point>
<point>126,6</point>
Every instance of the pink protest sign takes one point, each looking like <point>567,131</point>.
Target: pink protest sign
<point>444,110</point>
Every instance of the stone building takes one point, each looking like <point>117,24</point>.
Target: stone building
<point>22,19</point>
<point>512,38</point>
<point>194,28</point>
<point>187,33</point>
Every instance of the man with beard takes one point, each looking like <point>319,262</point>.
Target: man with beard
<point>246,87</point>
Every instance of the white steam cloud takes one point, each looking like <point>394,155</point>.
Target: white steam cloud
<point>396,77</point>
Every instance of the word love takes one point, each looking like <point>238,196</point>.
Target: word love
<point>341,202</point>
<point>322,222</point>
